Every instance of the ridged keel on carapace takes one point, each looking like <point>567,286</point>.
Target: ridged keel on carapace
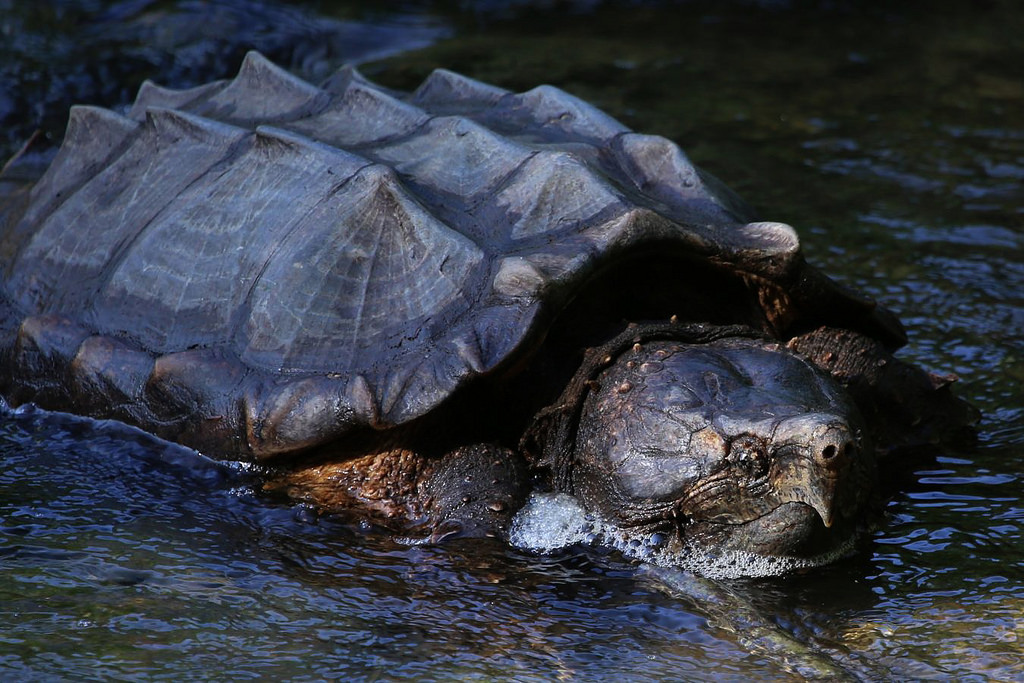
<point>259,265</point>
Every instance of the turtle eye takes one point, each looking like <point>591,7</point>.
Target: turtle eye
<point>748,453</point>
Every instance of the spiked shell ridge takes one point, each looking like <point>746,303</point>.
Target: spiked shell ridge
<point>297,260</point>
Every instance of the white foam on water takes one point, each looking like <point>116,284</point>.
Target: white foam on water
<point>552,521</point>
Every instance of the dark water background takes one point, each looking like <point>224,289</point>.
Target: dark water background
<point>891,135</point>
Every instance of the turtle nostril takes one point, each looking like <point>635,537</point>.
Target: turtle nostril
<point>835,452</point>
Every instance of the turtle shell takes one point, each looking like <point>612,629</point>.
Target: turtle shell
<point>257,266</point>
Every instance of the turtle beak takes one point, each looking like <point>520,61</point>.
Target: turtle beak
<point>810,471</point>
<point>822,499</point>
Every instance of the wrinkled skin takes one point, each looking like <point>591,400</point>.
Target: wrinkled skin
<point>734,445</point>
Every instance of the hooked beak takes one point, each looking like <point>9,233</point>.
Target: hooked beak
<point>822,499</point>
<point>812,474</point>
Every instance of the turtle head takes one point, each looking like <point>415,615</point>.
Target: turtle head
<point>733,445</point>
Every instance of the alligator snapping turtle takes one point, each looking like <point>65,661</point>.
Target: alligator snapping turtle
<point>388,296</point>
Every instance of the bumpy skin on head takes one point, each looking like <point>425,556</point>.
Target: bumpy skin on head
<point>731,443</point>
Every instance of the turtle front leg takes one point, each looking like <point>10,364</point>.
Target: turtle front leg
<point>473,491</point>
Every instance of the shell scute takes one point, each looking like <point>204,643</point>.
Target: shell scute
<point>93,136</point>
<point>554,115</point>
<point>287,416</point>
<point>47,339</point>
<point>517,277</point>
<point>445,92</point>
<point>661,170</point>
<point>194,397</point>
<point>60,269</point>
<point>261,93</point>
<point>452,156</point>
<point>553,192</point>
<point>108,370</point>
<point>194,263</point>
<point>361,115</point>
<point>153,95</point>
<point>319,304</point>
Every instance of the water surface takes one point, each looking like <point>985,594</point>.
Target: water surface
<point>893,139</point>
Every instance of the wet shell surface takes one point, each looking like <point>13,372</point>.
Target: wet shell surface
<point>259,265</point>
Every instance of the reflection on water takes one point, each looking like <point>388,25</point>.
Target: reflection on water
<point>890,137</point>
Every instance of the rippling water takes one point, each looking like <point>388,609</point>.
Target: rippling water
<point>893,140</point>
